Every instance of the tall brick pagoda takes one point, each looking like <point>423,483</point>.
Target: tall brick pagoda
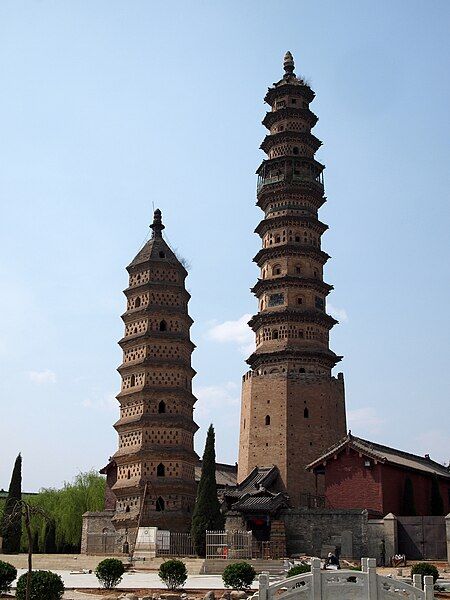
<point>155,461</point>
<point>292,406</point>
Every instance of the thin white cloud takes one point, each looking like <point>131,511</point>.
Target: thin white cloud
<point>236,332</point>
<point>338,313</point>
<point>96,402</point>
<point>364,420</point>
<point>42,377</point>
<point>213,398</point>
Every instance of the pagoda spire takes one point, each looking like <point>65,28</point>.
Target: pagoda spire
<point>157,225</point>
<point>288,65</point>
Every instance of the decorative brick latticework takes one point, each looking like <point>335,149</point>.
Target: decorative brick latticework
<point>292,407</point>
<point>155,460</point>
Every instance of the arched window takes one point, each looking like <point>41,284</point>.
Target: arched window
<point>132,381</point>
<point>277,239</point>
<point>267,420</point>
<point>127,509</point>
<point>160,470</point>
<point>137,302</point>
<point>162,407</point>
<point>275,334</point>
<point>162,254</point>
<point>306,413</point>
<point>163,326</point>
<point>276,270</point>
<point>160,504</point>
<point>299,300</point>
<point>295,150</point>
<point>298,269</point>
<point>129,474</point>
<point>301,370</point>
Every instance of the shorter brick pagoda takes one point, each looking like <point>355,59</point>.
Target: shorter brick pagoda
<point>155,461</point>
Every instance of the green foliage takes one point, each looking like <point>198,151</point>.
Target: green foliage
<point>12,518</point>
<point>425,569</point>
<point>239,576</point>
<point>409,507</point>
<point>65,508</point>
<point>173,573</point>
<point>207,514</point>
<point>437,504</point>
<point>7,575</point>
<point>45,585</point>
<point>298,570</point>
<point>109,572</point>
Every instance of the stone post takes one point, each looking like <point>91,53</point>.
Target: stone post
<point>316,579</point>
<point>428,587</point>
<point>372,586</point>
<point>263,586</point>
<point>364,565</point>
<point>390,536</point>
<point>417,581</point>
<point>447,526</point>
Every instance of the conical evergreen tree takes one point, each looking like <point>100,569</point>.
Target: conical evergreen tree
<point>12,518</point>
<point>437,504</point>
<point>409,506</point>
<point>207,514</point>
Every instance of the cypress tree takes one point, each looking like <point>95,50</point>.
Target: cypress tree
<point>12,517</point>
<point>437,504</point>
<point>409,507</point>
<point>207,514</point>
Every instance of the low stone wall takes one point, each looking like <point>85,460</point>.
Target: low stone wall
<point>99,535</point>
<point>318,531</point>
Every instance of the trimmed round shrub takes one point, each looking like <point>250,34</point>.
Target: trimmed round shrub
<point>298,570</point>
<point>7,575</point>
<point>239,576</point>
<point>45,585</point>
<point>425,569</point>
<point>109,572</point>
<point>173,573</point>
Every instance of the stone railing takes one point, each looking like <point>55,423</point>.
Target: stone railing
<point>355,585</point>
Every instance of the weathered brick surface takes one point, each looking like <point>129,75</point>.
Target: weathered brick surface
<point>290,440</point>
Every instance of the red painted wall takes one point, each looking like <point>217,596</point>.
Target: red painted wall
<point>349,484</point>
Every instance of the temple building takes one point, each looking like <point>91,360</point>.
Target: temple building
<point>155,460</point>
<point>293,408</point>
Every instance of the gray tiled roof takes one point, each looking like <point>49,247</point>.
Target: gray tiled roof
<point>384,454</point>
<point>151,250</point>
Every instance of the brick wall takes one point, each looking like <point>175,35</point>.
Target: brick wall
<point>349,484</point>
<point>293,438</point>
<point>379,488</point>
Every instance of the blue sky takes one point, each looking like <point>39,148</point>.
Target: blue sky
<point>110,107</point>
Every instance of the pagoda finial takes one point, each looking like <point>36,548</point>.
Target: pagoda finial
<point>288,64</point>
<point>157,225</point>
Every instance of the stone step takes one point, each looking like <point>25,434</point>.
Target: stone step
<point>217,566</point>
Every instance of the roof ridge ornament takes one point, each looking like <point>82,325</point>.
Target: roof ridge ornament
<point>288,65</point>
<point>157,225</point>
